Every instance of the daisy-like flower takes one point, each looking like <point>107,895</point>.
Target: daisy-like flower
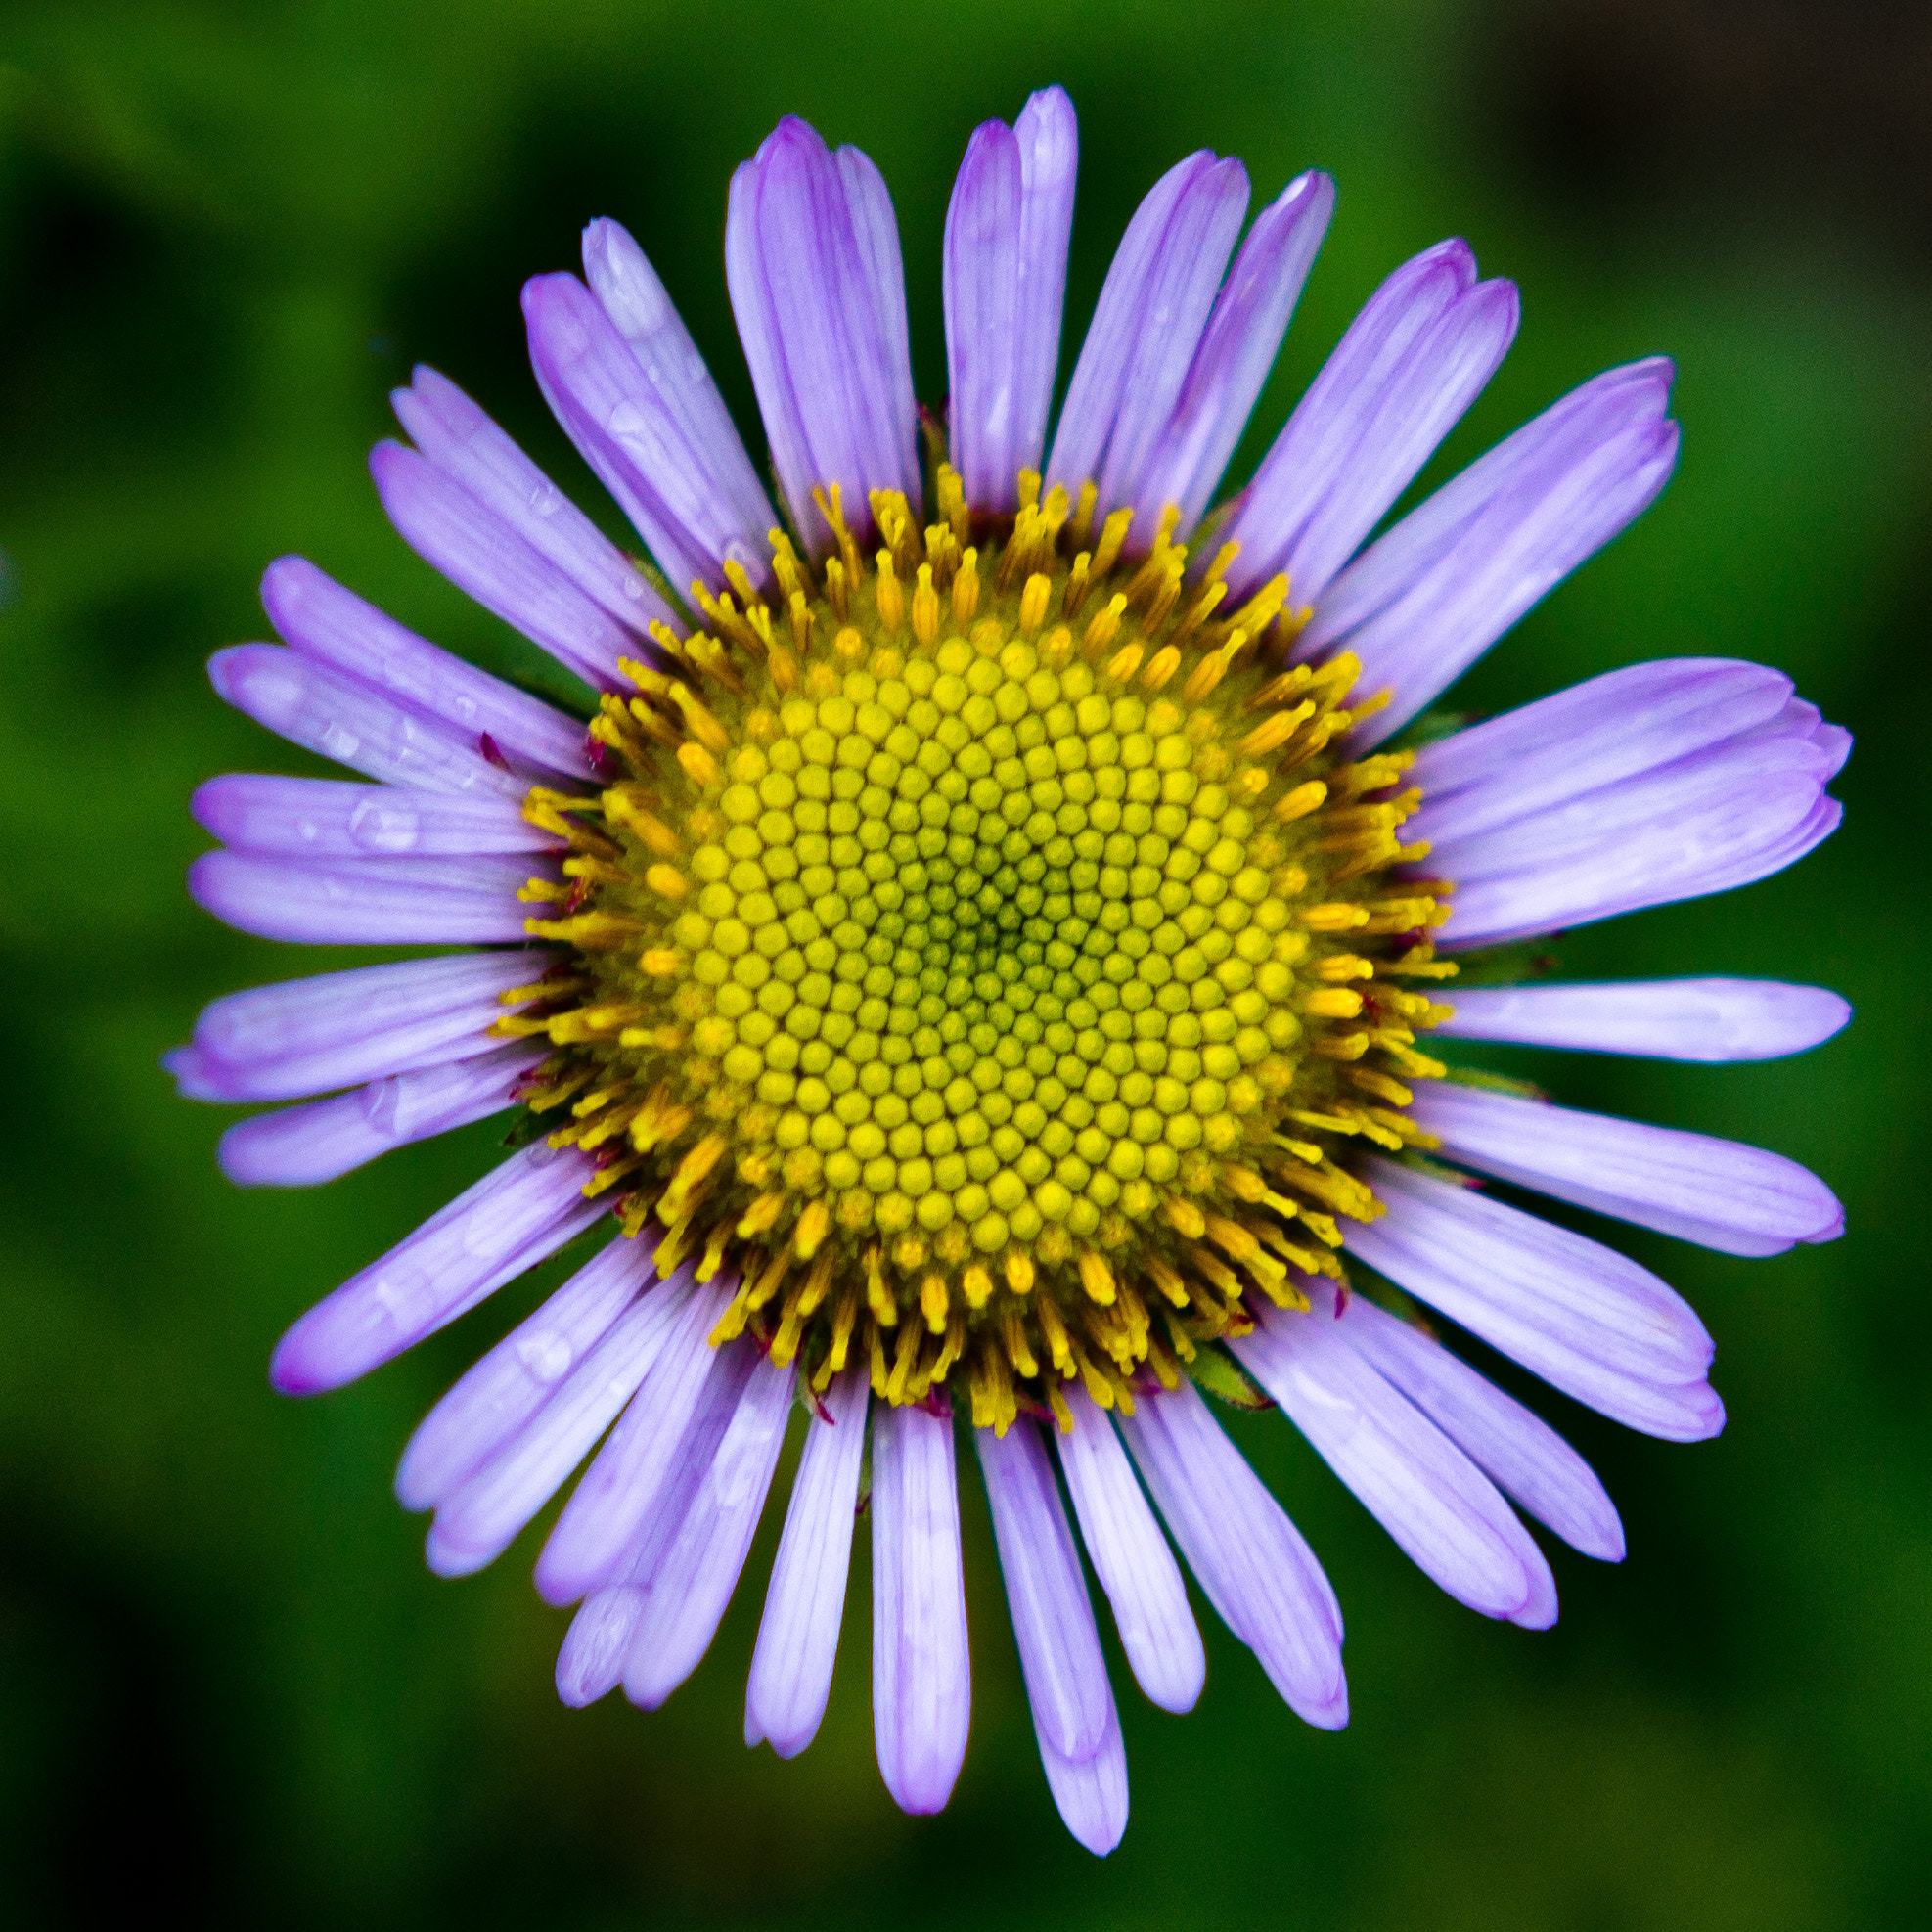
<point>975,963</point>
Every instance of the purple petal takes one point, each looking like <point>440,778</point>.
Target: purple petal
<point>522,1210</point>
<point>983,317</point>
<point>689,1588</point>
<point>1146,325</point>
<point>1538,507</point>
<point>1132,1561</point>
<point>362,901</point>
<point>811,255</point>
<point>1679,1019</point>
<point>1518,1451</point>
<point>320,619</point>
<point>1594,734</point>
<point>452,532</point>
<point>462,442</point>
<point>1420,353</point>
<point>494,1400</point>
<point>605,395</point>
<point>1260,1576</point>
<point>1618,398</point>
<point>326,819</point>
<point>622,1485</point>
<point>590,1661</point>
<point>921,1693</point>
<point>1586,1320</point>
<point>1236,351</point>
<point>1720,1194</point>
<point>1091,1792</point>
<point>514,1466</point>
<point>341,718</point>
<point>299,1147</point>
<point>627,288</point>
<point>1059,1648</point>
<point>1703,824</point>
<point>799,1636</point>
<point>1007,234</point>
<point>877,230</point>
<point>1430,1498</point>
<point>598,1642</point>
<point>306,1036</point>
<point>1629,747</point>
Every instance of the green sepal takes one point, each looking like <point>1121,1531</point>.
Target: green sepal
<point>1494,1083</point>
<point>1420,1163</point>
<point>526,1128</point>
<point>1216,1372</point>
<point>1430,727</point>
<point>1501,966</point>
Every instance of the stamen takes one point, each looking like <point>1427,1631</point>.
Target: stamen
<point>960,990</point>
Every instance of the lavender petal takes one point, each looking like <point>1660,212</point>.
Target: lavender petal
<point>1683,834</point>
<point>1512,558</point>
<point>360,903</point>
<point>297,1037</point>
<point>327,819</point>
<point>1448,368</point>
<point>1394,564</point>
<point>338,717</point>
<point>688,1592</point>
<point>1680,1020</point>
<point>1420,351</point>
<point>1131,1559</point>
<point>1154,305</point>
<point>1589,1320</point>
<point>1618,751</point>
<point>515,1466</point>
<point>630,293</point>
<point>1090,1793</point>
<point>1440,1508</point>
<point>1258,1573</point>
<point>603,395</point>
<point>1722,1193</point>
<point>493,1401</point>
<point>922,1674</point>
<point>810,263</point>
<point>623,1482</point>
<point>462,442</point>
<point>320,619</point>
<point>301,1146</point>
<point>452,532</point>
<point>599,1640</point>
<point>1007,232</point>
<point>791,1681</point>
<point>1594,734</point>
<point>525,1209</point>
<point>1517,1449</point>
<point>876,227</point>
<point>984,317</point>
<point>1236,351</point>
<point>1059,1648</point>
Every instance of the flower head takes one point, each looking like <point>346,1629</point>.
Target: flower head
<point>980,956</point>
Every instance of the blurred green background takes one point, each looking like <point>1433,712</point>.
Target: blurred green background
<point>229,1691</point>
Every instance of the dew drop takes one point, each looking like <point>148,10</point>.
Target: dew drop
<point>546,1354</point>
<point>383,828</point>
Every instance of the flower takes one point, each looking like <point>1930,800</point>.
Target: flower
<point>978,951</point>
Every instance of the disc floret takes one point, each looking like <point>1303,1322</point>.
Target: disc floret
<point>984,952</point>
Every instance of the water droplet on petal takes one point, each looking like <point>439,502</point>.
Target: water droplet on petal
<point>380,826</point>
<point>546,1355</point>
